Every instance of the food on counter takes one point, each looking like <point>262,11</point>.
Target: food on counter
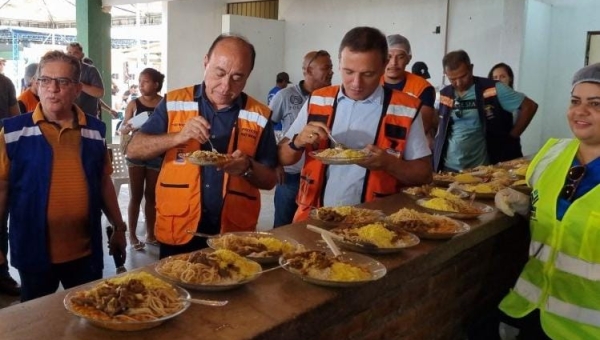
<point>451,204</point>
<point>318,265</point>
<point>376,234</point>
<point>253,246</point>
<point>467,178</point>
<point>486,188</point>
<point>341,153</point>
<point>422,223</point>
<point>521,170</point>
<point>221,267</point>
<point>515,163</point>
<point>130,298</point>
<point>521,182</point>
<point>207,157</point>
<point>429,191</point>
<point>347,214</point>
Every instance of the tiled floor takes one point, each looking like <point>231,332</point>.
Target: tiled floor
<point>150,253</point>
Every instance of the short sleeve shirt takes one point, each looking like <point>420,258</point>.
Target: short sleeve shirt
<point>8,96</point>
<point>89,76</point>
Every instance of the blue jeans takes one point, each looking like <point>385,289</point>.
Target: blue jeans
<point>35,284</point>
<point>285,200</point>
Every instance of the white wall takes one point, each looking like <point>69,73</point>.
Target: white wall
<point>267,37</point>
<point>532,76</point>
<point>191,27</point>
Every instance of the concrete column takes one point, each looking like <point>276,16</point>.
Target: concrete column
<point>93,33</point>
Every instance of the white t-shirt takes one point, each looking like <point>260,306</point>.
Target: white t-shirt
<point>355,125</point>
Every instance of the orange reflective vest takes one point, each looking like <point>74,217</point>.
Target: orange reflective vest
<point>414,84</point>
<point>29,100</point>
<point>179,185</point>
<point>398,113</point>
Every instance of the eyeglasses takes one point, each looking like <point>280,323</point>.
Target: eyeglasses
<point>458,111</point>
<point>318,54</point>
<point>61,81</point>
<point>574,177</point>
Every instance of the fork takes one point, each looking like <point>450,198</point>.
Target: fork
<point>336,145</point>
<point>212,146</point>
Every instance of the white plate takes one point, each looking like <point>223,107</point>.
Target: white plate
<point>338,160</point>
<point>138,120</point>
<point>375,267</point>
<point>260,259</point>
<point>484,209</point>
<point>411,240</point>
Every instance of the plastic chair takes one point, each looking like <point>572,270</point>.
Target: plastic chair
<point>120,173</point>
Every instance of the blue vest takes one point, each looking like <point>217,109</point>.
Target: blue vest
<point>31,158</point>
<point>496,123</point>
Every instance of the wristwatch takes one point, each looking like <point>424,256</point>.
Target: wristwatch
<point>248,171</point>
<point>293,146</point>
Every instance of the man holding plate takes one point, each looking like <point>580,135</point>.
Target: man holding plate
<point>361,114</point>
<point>213,115</point>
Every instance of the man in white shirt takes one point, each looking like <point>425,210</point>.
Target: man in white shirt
<point>362,115</point>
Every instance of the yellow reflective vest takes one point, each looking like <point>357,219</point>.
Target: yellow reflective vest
<point>178,189</point>
<point>562,276</point>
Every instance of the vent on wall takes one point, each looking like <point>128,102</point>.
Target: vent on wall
<point>260,9</point>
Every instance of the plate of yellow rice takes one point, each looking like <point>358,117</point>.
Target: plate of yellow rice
<point>456,208</point>
<point>382,238</point>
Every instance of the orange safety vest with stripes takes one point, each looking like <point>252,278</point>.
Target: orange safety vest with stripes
<point>179,185</point>
<point>29,100</point>
<point>414,85</point>
<point>398,113</point>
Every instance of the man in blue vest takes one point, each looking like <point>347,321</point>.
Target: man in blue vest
<point>476,122</point>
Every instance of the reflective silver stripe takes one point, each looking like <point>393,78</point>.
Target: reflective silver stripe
<point>573,312</point>
<point>91,134</point>
<point>322,101</point>
<point>182,106</point>
<point>26,131</point>
<point>540,251</point>
<point>528,290</point>
<point>401,110</point>
<point>253,117</point>
<point>579,267</point>
<point>548,158</point>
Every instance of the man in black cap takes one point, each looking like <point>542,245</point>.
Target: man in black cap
<point>282,81</point>
<point>420,68</point>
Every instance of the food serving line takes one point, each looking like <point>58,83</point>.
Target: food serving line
<point>430,291</point>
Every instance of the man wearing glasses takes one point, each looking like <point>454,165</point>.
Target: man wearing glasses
<point>92,87</point>
<point>362,114</point>
<point>317,70</point>
<point>54,184</point>
<point>476,124</point>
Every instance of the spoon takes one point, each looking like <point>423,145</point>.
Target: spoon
<point>214,303</point>
<point>212,146</point>
<point>336,145</point>
<point>201,234</point>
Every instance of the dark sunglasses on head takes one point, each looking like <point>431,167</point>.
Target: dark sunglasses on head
<point>318,54</point>
<point>574,177</point>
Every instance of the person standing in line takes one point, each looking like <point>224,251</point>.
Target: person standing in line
<point>8,108</point>
<point>29,98</point>
<point>91,81</point>
<point>214,114</point>
<point>397,78</point>
<point>420,69</point>
<point>476,126</point>
<point>367,116</point>
<point>55,183</point>
<point>143,174</point>
<point>317,69</point>
<point>281,82</point>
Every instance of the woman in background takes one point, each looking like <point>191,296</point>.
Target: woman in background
<point>502,73</point>
<point>143,174</point>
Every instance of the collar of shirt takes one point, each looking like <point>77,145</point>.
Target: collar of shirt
<point>302,90</point>
<point>375,98</point>
<point>38,115</point>
<point>200,95</point>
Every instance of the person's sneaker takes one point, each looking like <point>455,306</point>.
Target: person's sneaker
<point>9,286</point>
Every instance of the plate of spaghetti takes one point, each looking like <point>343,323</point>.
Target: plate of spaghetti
<point>321,268</point>
<point>455,208</point>
<point>261,247</point>
<point>339,156</point>
<point>129,302</point>
<point>209,270</point>
<point>375,238</point>
<point>207,158</point>
<point>426,225</point>
<point>346,214</point>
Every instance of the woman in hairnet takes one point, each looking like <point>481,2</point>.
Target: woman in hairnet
<point>557,294</point>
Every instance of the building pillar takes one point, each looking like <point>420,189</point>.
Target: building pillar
<point>93,33</point>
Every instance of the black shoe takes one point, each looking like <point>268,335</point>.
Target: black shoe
<point>9,286</point>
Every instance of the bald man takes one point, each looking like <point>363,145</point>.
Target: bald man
<point>317,70</point>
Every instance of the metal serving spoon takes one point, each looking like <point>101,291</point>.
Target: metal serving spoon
<point>213,303</point>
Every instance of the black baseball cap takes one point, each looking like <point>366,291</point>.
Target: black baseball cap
<point>420,68</point>
<point>283,76</point>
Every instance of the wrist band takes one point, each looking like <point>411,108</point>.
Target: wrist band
<point>293,146</point>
